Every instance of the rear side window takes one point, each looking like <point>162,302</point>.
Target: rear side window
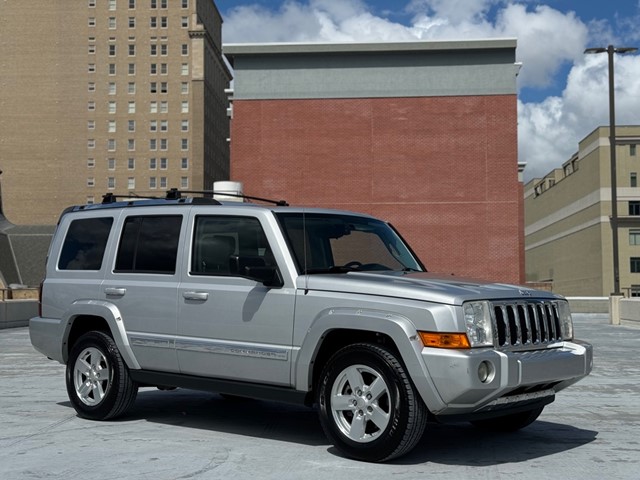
<point>149,244</point>
<point>85,243</point>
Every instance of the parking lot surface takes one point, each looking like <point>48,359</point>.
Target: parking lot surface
<point>591,431</point>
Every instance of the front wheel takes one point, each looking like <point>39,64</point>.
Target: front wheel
<point>509,423</point>
<point>98,381</point>
<point>369,408</point>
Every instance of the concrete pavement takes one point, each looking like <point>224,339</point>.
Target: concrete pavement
<point>591,431</point>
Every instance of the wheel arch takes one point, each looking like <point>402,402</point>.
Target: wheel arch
<point>92,315</point>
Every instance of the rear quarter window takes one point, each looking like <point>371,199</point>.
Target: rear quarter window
<point>85,243</point>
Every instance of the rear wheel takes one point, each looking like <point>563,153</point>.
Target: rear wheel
<point>98,381</point>
<point>509,423</point>
<point>369,408</point>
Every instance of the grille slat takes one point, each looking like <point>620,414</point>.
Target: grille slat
<point>521,324</point>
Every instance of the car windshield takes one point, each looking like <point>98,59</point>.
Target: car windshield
<point>333,243</point>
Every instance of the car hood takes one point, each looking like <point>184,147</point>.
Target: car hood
<point>419,286</point>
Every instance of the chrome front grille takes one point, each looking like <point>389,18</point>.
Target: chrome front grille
<point>523,324</point>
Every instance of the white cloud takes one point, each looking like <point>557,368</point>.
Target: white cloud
<point>548,39</point>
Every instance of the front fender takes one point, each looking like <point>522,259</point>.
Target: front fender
<point>397,327</point>
<point>112,316</point>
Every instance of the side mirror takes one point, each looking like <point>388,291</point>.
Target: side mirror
<point>268,275</point>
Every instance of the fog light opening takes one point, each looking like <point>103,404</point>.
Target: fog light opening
<point>486,372</point>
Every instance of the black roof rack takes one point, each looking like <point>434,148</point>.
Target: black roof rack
<point>174,194</point>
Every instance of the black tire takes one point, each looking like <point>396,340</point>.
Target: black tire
<point>509,423</point>
<point>386,421</point>
<point>98,381</point>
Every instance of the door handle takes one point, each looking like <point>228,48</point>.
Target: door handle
<point>115,292</point>
<point>200,296</point>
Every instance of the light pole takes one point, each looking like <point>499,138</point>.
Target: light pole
<point>610,50</point>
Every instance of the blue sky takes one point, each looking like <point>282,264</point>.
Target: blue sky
<point>562,93</point>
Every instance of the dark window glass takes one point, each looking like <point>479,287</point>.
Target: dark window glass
<point>226,245</point>
<point>635,264</point>
<point>149,244</point>
<point>634,208</point>
<point>632,150</point>
<point>84,245</point>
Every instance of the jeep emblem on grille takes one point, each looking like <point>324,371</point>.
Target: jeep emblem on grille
<point>526,293</point>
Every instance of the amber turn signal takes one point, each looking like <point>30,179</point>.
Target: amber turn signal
<point>445,340</point>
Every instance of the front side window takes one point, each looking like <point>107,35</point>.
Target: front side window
<point>85,244</point>
<point>224,245</point>
<point>331,243</point>
<point>149,244</point>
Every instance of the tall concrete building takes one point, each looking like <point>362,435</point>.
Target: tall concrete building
<point>568,233</point>
<point>102,96</point>
<point>422,134</point>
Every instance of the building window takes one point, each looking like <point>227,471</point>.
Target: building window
<point>131,183</point>
<point>91,87</point>
<point>153,107</point>
<point>153,87</point>
<point>154,49</point>
<point>152,182</point>
<point>92,49</point>
<point>632,150</point>
<point>634,291</point>
<point>163,163</point>
<point>163,3</point>
<point>91,105</point>
<point>164,69</point>
<point>163,182</point>
<point>92,3</point>
<point>131,144</point>
<point>111,144</point>
<point>111,163</point>
<point>185,107</point>
<point>132,22</point>
<point>185,3</point>
<point>112,88</point>
<point>153,164</point>
<point>164,125</point>
<point>91,143</point>
<point>112,50</point>
<point>111,126</point>
<point>634,237</point>
<point>184,22</point>
<point>153,125</point>
<point>633,179</point>
<point>91,124</point>
<point>111,183</point>
<point>153,22</point>
<point>92,21</point>
<point>164,50</point>
<point>132,4</point>
<point>112,69</point>
<point>153,68</point>
<point>90,200</point>
<point>112,4</point>
<point>112,107</point>
<point>164,106</point>
<point>131,163</point>
<point>184,125</point>
<point>91,182</point>
<point>163,87</point>
<point>132,69</point>
<point>184,182</point>
<point>184,87</point>
<point>184,163</point>
<point>184,69</point>
<point>132,49</point>
<point>91,162</point>
<point>131,125</point>
<point>131,88</point>
<point>164,144</point>
<point>154,3</point>
<point>185,49</point>
<point>634,208</point>
<point>153,144</point>
<point>112,23</point>
<point>634,264</point>
<point>92,68</point>
<point>184,144</point>
<point>164,22</point>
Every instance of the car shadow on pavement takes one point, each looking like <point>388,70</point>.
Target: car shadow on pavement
<point>450,444</point>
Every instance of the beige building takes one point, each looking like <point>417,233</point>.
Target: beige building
<point>105,96</point>
<point>568,237</point>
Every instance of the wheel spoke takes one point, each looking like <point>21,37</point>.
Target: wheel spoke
<point>84,390</point>
<point>342,402</point>
<point>98,392</point>
<point>377,388</point>
<point>356,432</point>
<point>355,378</point>
<point>379,417</point>
<point>82,362</point>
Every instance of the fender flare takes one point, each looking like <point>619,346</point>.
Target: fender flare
<point>397,327</point>
<point>112,316</point>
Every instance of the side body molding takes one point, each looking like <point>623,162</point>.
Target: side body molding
<point>111,314</point>
<point>399,328</point>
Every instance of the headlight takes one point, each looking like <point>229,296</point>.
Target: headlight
<point>477,318</point>
<point>566,323</point>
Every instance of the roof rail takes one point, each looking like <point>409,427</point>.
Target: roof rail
<point>175,194</point>
<point>112,198</point>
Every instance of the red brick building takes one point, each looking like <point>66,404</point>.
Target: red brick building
<point>423,135</point>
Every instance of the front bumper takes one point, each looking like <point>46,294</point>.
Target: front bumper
<point>517,378</point>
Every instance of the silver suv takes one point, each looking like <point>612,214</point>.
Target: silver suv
<point>312,306</point>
